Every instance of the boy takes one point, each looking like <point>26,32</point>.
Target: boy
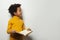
<point>15,24</point>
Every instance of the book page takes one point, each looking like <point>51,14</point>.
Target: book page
<point>25,32</point>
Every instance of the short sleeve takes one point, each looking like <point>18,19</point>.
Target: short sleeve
<point>9,27</point>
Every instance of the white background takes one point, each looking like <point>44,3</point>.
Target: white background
<point>42,16</point>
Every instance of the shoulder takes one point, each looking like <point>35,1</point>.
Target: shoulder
<point>10,20</point>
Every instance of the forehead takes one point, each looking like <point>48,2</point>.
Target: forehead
<point>19,8</point>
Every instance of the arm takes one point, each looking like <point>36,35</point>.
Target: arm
<point>23,26</point>
<point>9,27</point>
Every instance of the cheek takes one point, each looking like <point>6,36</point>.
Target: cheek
<point>19,13</point>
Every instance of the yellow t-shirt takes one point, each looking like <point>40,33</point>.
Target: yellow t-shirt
<point>15,23</point>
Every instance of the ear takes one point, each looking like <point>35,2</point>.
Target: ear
<point>14,13</point>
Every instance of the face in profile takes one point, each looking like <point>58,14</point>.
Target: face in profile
<point>18,12</point>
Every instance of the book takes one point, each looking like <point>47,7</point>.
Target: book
<point>25,32</point>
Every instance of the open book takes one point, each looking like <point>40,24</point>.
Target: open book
<point>25,32</point>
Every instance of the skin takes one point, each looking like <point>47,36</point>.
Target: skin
<point>19,14</point>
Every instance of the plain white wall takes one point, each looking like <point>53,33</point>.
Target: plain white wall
<point>42,16</point>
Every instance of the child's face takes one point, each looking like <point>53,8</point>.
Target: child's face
<point>19,12</point>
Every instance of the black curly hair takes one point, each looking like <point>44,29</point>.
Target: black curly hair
<point>13,8</point>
